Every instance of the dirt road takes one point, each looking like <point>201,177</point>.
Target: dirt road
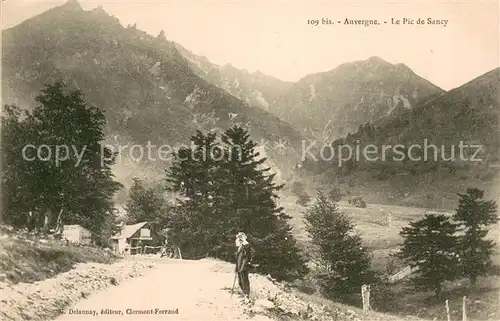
<point>173,290</point>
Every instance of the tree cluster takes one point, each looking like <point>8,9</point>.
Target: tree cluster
<point>443,248</point>
<point>146,204</point>
<point>227,189</point>
<point>41,191</point>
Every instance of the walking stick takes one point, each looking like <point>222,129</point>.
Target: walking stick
<point>234,282</point>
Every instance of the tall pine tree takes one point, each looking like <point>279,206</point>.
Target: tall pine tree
<point>195,173</point>
<point>345,263</point>
<point>430,245</point>
<point>249,192</point>
<point>474,216</point>
<point>146,205</point>
<point>229,191</point>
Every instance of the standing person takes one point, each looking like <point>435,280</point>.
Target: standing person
<point>244,256</point>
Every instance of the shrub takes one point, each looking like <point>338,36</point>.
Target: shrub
<point>298,188</point>
<point>303,200</point>
<point>382,175</point>
<point>382,296</point>
<point>357,201</point>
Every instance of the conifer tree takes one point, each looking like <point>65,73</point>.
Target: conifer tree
<point>195,173</point>
<point>228,190</point>
<point>145,205</point>
<point>334,194</point>
<point>249,190</point>
<point>474,216</point>
<point>346,264</point>
<point>430,246</point>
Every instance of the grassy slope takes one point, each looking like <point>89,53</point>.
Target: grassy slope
<point>372,224</point>
<point>431,190</point>
<point>25,260</point>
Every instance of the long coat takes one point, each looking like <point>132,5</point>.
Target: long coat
<point>244,256</point>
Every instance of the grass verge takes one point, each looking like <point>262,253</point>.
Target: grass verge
<point>26,258</point>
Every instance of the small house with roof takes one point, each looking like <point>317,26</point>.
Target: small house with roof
<point>136,238</point>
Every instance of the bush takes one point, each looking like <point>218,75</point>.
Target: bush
<point>357,201</point>
<point>382,296</point>
<point>298,188</point>
<point>307,285</point>
<point>303,200</point>
<point>382,175</point>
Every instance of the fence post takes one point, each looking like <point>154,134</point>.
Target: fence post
<point>447,311</point>
<point>368,290</point>
<point>464,309</point>
<point>365,296</point>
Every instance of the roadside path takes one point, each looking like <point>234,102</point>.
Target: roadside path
<point>184,290</point>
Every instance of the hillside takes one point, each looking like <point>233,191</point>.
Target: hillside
<point>27,258</point>
<point>39,277</point>
<point>379,226</point>
<point>331,104</point>
<point>255,88</point>
<point>467,115</point>
<point>146,87</point>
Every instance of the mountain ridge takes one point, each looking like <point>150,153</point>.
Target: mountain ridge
<point>255,88</point>
<point>467,115</point>
<point>144,85</point>
<point>351,94</point>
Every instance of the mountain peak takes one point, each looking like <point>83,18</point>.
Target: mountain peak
<point>352,94</point>
<point>377,60</point>
<point>73,5</point>
<point>371,62</point>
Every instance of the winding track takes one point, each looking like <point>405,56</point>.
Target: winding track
<point>198,290</point>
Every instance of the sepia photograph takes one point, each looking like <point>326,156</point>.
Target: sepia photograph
<point>258,160</point>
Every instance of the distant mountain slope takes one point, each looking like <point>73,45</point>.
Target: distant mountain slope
<point>468,116</point>
<point>333,103</point>
<point>255,88</point>
<point>468,113</point>
<point>145,86</point>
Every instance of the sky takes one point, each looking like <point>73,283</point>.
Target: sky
<point>275,38</point>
